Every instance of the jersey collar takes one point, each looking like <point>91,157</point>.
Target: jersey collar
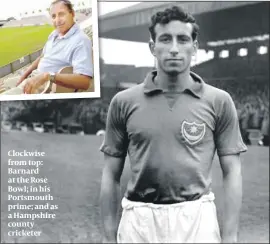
<point>196,88</point>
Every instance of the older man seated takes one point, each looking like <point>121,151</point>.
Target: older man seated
<point>67,45</point>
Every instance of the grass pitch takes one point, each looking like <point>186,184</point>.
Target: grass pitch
<point>16,42</point>
<point>73,166</point>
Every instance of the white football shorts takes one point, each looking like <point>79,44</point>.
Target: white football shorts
<point>186,222</point>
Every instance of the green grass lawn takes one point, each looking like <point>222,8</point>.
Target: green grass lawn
<point>16,42</point>
<point>73,166</point>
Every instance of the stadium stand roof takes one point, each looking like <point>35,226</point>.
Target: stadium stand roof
<point>215,19</point>
<point>192,7</point>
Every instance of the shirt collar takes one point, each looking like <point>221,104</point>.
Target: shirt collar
<point>71,31</point>
<point>196,88</point>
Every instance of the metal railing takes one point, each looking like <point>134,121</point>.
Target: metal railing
<point>19,63</point>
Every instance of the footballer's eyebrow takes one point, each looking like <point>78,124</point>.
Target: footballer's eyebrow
<point>183,36</point>
<point>164,35</point>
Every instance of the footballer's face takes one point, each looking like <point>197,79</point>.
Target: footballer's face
<point>174,47</point>
<point>62,17</point>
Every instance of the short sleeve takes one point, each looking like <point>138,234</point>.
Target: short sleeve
<point>43,50</point>
<point>228,137</point>
<point>82,62</point>
<point>115,141</point>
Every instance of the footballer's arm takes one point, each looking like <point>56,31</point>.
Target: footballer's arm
<point>109,196</point>
<point>232,182</point>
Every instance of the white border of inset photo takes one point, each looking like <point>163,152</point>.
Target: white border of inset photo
<point>94,94</point>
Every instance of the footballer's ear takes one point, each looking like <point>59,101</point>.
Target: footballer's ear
<point>152,47</point>
<point>195,47</point>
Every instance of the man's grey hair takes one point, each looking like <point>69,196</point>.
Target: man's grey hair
<point>67,3</point>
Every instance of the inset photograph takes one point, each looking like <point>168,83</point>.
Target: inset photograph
<point>47,50</point>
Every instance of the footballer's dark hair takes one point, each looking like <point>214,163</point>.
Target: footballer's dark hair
<point>170,14</point>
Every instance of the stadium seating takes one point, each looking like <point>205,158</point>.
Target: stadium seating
<point>42,20</point>
<point>234,67</point>
<point>80,17</point>
<point>29,21</point>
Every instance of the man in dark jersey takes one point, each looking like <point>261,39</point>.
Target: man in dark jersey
<point>171,125</point>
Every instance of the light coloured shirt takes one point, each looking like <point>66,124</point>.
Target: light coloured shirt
<point>73,49</point>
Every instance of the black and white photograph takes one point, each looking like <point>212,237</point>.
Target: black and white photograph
<point>175,149</point>
<point>47,50</point>
<point>193,124</point>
